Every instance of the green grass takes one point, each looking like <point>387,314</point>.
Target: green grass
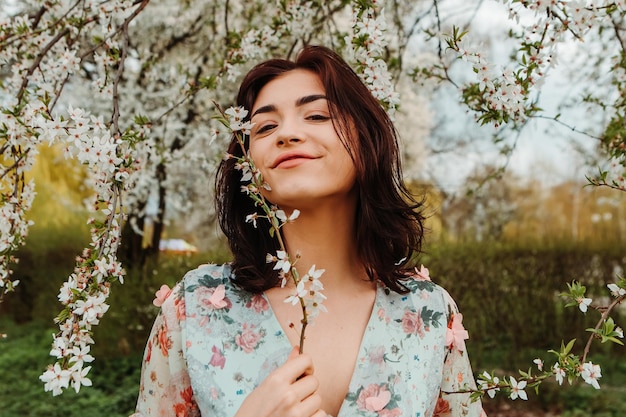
<point>24,356</point>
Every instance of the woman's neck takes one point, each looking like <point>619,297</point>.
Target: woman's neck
<point>326,237</point>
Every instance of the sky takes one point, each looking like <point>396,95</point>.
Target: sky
<point>544,150</point>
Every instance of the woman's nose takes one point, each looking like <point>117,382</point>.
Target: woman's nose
<point>289,134</point>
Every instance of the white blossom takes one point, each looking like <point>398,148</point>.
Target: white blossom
<point>616,291</point>
<point>282,263</point>
<point>56,379</point>
<point>591,373</point>
<point>486,382</point>
<point>583,303</point>
<point>517,389</point>
<point>559,373</point>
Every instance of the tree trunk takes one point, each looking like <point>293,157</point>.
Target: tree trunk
<point>138,250</point>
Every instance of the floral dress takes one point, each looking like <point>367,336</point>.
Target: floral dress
<point>213,343</point>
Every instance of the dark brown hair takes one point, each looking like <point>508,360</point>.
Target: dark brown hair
<point>389,223</point>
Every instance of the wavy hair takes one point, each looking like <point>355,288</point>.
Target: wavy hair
<point>389,221</point>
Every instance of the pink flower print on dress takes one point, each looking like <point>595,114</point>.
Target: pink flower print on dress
<point>213,393</point>
<point>217,298</point>
<point>377,356</point>
<point>442,409</point>
<point>179,303</point>
<point>161,295</point>
<point>212,298</point>
<point>412,323</point>
<point>373,398</point>
<point>456,333</point>
<point>422,274</point>
<point>248,339</point>
<point>396,412</point>
<point>149,351</point>
<point>258,303</point>
<point>187,396</point>
<point>215,272</point>
<point>217,359</point>
<point>163,338</point>
<point>383,315</point>
<point>180,410</point>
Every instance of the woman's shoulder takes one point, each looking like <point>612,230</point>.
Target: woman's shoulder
<point>213,284</point>
<point>423,288</point>
<point>207,275</point>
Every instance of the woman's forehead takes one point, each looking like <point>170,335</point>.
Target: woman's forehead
<point>288,88</point>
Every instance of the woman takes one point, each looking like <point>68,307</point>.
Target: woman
<point>391,343</point>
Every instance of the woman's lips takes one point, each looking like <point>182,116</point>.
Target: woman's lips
<point>291,160</point>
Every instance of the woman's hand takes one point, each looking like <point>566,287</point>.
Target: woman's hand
<point>289,391</point>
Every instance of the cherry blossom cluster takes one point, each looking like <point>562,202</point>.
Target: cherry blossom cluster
<point>298,18</point>
<point>111,161</point>
<point>568,367</point>
<point>13,231</point>
<point>503,95</point>
<point>500,95</point>
<point>44,51</point>
<point>368,43</point>
<point>254,45</point>
<point>84,296</point>
<point>307,288</point>
<point>291,20</point>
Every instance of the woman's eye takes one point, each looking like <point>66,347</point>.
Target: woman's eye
<point>318,117</point>
<point>265,128</point>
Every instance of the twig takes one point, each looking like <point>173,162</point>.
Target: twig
<point>572,128</point>
<point>37,61</point>
<point>605,315</point>
<point>440,47</point>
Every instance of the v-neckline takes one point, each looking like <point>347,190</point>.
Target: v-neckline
<point>361,352</point>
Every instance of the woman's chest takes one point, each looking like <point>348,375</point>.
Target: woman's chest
<point>334,343</point>
<point>387,362</point>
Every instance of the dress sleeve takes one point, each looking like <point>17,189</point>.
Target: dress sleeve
<point>457,371</point>
<point>165,388</point>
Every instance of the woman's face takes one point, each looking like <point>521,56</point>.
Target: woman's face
<point>296,147</point>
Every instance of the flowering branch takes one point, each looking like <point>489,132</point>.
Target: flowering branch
<point>308,288</point>
<point>502,96</point>
<point>568,364</point>
<point>368,48</point>
<point>109,155</point>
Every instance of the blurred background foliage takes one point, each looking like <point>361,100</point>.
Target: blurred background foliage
<point>505,251</point>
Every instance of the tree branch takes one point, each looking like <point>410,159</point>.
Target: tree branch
<point>605,315</point>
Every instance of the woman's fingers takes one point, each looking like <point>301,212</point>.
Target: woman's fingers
<point>296,366</point>
<point>290,390</point>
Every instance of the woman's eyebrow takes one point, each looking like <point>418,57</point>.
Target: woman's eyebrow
<point>309,99</point>
<point>299,102</point>
<point>264,109</point>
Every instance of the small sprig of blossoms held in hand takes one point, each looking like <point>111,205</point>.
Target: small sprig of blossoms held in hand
<point>307,288</point>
